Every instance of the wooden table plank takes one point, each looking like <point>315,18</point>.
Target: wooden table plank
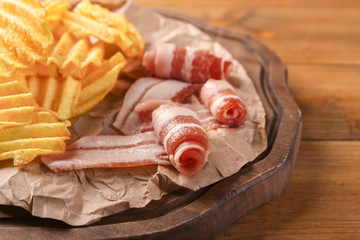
<point>321,202</point>
<point>329,99</point>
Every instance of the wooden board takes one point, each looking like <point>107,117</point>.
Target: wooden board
<point>205,213</point>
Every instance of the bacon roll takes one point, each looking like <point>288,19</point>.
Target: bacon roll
<point>185,63</point>
<point>225,105</point>
<point>184,140</point>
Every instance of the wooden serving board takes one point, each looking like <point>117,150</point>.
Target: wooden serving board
<point>203,214</point>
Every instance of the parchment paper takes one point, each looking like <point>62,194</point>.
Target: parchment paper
<point>83,197</point>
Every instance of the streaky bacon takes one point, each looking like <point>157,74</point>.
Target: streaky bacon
<point>207,120</point>
<point>142,89</point>
<point>187,64</point>
<point>224,104</point>
<point>184,140</point>
<point>109,151</point>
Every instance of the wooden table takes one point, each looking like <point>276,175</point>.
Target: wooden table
<point>320,43</point>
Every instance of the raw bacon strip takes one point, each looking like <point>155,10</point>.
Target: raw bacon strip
<point>220,97</point>
<point>109,151</point>
<point>185,63</point>
<point>185,141</point>
<point>207,120</point>
<point>143,89</point>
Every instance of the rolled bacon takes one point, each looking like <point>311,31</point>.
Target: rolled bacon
<point>109,151</point>
<point>225,105</point>
<point>184,140</point>
<point>185,63</point>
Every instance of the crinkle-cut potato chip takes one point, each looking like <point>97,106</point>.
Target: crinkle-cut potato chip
<point>26,129</point>
<point>93,20</point>
<point>15,101</point>
<point>72,55</point>
<point>25,36</point>
<point>58,94</point>
<point>98,84</point>
<point>16,116</point>
<point>54,10</point>
<point>115,20</point>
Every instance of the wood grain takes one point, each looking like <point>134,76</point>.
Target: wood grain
<point>318,40</point>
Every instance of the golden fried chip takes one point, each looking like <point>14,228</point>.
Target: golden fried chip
<point>72,55</point>
<point>114,20</point>
<point>54,10</point>
<point>93,20</point>
<point>25,150</point>
<point>68,99</point>
<point>19,100</point>
<point>12,88</point>
<point>25,36</point>
<point>16,116</point>
<point>117,59</point>
<point>98,84</point>
<point>57,94</point>
<point>27,130</point>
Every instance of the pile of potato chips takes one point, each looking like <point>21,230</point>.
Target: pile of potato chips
<point>56,64</point>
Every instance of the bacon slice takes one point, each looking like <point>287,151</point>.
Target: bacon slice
<point>184,140</point>
<point>220,97</point>
<point>109,151</point>
<point>128,121</point>
<point>185,63</point>
<point>207,120</point>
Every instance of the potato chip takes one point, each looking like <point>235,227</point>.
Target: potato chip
<point>68,99</point>
<point>93,20</point>
<point>114,20</point>
<point>72,55</point>
<point>117,59</point>
<point>19,100</point>
<point>25,150</point>
<point>58,94</point>
<point>25,36</point>
<point>27,130</point>
<point>98,84</point>
<point>54,10</point>
<point>16,116</point>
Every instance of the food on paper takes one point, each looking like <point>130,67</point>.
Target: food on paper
<point>93,20</point>
<point>184,140</point>
<point>109,151</point>
<point>185,63</point>
<point>113,189</point>
<point>96,85</point>
<point>220,97</point>
<point>73,55</point>
<point>25,36</point>
<point>128,121</point>
<point>207,120</point>
<point>27,130</point>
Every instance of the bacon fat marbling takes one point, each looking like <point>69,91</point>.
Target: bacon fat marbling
<point>109,151</point>
<point>185,63</point>
<point>184,140</point>
<point>128,121</point>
